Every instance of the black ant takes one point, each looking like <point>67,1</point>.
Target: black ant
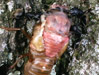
<point>78,27</point>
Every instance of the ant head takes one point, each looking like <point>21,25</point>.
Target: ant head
<point>58,8</point>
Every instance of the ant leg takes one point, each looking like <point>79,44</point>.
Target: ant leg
<point>10,29</point>
<point>26,34</point>
<point>16,29</point>
<point>20,57</point>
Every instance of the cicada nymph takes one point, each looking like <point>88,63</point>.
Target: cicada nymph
<point>49,41</point>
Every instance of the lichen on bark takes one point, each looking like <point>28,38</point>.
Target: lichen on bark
<point>83,60</point>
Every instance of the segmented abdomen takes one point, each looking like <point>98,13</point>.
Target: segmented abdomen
<point>53,43</point>
<point>40,65</point>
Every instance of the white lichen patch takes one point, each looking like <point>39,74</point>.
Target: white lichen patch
<point>20,63</point>
<point>2,46</point>
<point>1,9</point>
<point>1,31</point>
<point>15,73</point>
<point>53,71</point>
<point>30,25</point>
<point>10,5</point>
<point>84,42</point>
<point>10,56</point>
<point>98,39</point>
<point>89,29</point>
<point>84,68</point>
<point>96,10</point>
<point>97,45</point>
<point>10,74</point>
<point>97,48</point>
<point>94,69</point>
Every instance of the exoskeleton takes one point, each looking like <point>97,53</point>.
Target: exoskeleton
<point>49,41</point>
